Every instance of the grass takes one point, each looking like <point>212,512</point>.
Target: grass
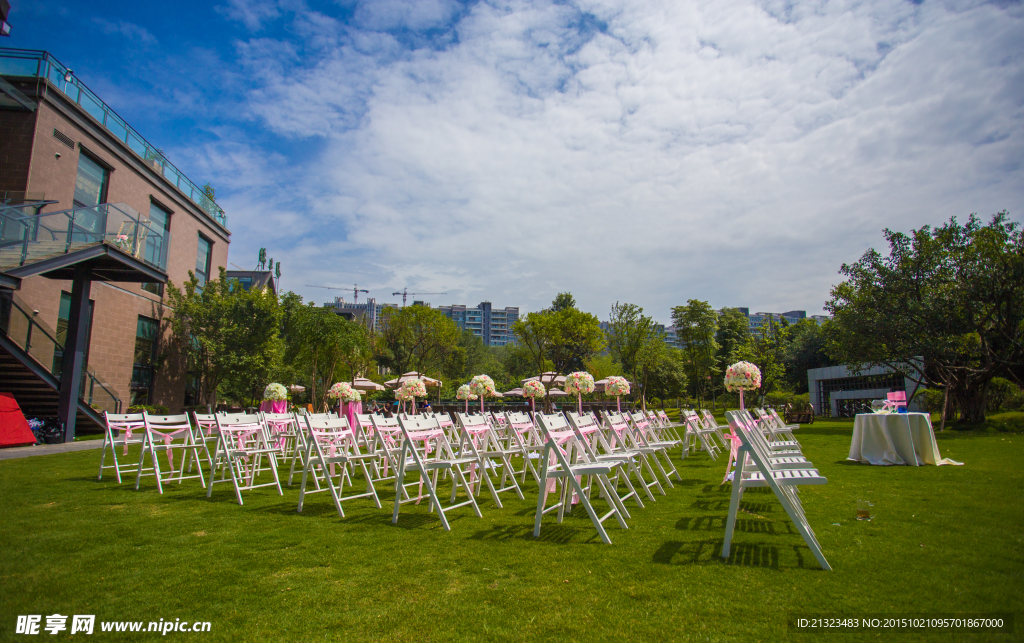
<point>944,540</point>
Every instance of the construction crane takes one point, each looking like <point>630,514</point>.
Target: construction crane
<point>355,290</point>
<point>405,294</point>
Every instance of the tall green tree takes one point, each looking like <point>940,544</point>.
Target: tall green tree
<point>416,338</point>
<point>324,343</point>
<point>945,305</point>
<point>575,337</point>
<point>807,349</point>
<point>227,334</point>
<point>696,324</point>
<point>732,336</point>
<point>629,333</point>
<point>767,350</point>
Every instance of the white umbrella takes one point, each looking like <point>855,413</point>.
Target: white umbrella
<point>296,388</point>
<point>516,392</point>
<point>427,381</point>
<point>363,384</point>
<point>547,379</point>
<point>557,392</point>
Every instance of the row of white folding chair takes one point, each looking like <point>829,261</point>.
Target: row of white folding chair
<point>590,435</point>
<point>758,466</point>
<point>646,437</point>
<point>621,438</point>
<point>697,430</point>
<point>780,438</point>
<point>522,432</point>
<point>779,427</point>
<point>479,439</point>
<point>332,449</point>
<point>130,430</point>
<point>571,465</point>
<point>429,460</point>
<point>242,445</point>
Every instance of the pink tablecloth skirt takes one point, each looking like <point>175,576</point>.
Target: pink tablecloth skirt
<point>349,410</point>
<point>274,406</point>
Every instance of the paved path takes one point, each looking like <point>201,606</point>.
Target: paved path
<point>47,449</point>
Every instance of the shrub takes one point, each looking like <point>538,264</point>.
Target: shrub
<point>154,409</point>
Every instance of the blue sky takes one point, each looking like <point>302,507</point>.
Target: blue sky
<point>734,151</point>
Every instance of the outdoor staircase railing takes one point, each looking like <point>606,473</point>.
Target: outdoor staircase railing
<point>39,342</point>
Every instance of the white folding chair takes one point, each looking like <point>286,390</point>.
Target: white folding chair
<point>166,433</point>
<point>704,435</point>
<point>590,436</point>
<point>123,425</point>
<point>241,446</point>
<point>332,442</point>
<point>477,440</point>
<point>782,481</point>
<point>436,455</point>
<point>571,464</point>
<point>644,437</point>
<point>620,439</point>
<point>523,435</point>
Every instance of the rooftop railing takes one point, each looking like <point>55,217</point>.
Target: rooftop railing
<point>40,64</point>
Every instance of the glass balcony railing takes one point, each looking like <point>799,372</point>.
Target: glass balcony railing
<point>40,64</point>
<point>36,339</point>
<point>27,238</point>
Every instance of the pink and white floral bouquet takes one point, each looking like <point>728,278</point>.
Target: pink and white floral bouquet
<point>465,393</point>
<point>275,392</point>
<point>412,389</point>
<point>344,392</point>
<point>580,382</point>
<point>616,386</point>
<point>534,389</point>
<point>742,376</point>
<point>483,385</point>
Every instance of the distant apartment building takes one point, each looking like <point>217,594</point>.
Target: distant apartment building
<point>257,279</point>
<point>76,175</point>
<point>369,312</point>
<point>758,321</point>
<point>492,325</point>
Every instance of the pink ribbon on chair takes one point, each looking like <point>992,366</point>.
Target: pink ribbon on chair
<point>168,439</point>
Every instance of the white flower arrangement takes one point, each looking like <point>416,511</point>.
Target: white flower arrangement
<point>464,393</point>
<point>616,386</point>
<point>344,392</point>
<point>742,376</point>
<point>483,385</point>
<point>534,389</point>
<point>275,392</point>
<point>412,389</point>
<point>580,382</point>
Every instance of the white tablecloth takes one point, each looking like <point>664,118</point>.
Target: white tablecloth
<point>895,438</point>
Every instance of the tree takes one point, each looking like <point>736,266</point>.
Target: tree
<point>563,301</point>
<point>766,351</point>
<point>324,341</point>
<point>807,349</point>
<point>574,337</point>
<point>667,378</point>
<point>946,305</point>
<point>732,335</point>
<point>696,325</point>
<point>225,333</point>
<point>416,338</point>
<point>534,335</point>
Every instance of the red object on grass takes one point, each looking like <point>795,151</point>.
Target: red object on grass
<point>14,431</point>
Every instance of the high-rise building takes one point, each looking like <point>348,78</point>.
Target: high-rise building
<point>368,312</point>
<point>492,325</point>
<point>758,321</point>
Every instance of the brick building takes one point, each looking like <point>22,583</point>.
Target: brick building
<point>62,146</point>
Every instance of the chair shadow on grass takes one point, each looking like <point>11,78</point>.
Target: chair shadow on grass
<point>559,534</point>
<point>743,554</point>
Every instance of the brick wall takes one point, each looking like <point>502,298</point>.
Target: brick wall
<point>116,306</point>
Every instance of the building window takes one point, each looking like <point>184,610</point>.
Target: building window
<point>91,183</point>
<point>156,242</point>
<point>203,259</point>
<point>146,332</point>
<point>90,191</point>
<point>63,315</point>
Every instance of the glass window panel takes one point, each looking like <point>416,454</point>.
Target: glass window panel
<point>117,128</point>
<point>137,144</point>
<point>203,260</point>
<point>91,182</point>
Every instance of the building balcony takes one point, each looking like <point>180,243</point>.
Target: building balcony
<point>27,63</point>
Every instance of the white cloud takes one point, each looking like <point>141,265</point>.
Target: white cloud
<point>649,152</point>
<point>133,32</point>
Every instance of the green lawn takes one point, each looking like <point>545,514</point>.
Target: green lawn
<point>945,539</point>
